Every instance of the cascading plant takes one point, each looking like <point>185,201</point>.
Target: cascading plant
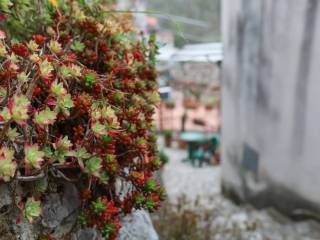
<point>77,98</point>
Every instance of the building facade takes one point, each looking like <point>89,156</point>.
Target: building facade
<point>270,103</point>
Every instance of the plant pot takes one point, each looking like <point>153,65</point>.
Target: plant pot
<point>209,107</point>
<point>168,142</point>
<point>182,144</point>
<point>190,104</point>
<point>170,105</point>
<point>217,158</point>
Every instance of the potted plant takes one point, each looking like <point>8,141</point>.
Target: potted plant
<point>211,103</point>
<point>182,144</point>
<point>167,138</point>
<point>190,103</point>
<point>164,158</point>
<point>170,104</point>
<point>209,106</point>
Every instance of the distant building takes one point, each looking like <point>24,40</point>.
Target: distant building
<point>270,103</point>
<point>197,66</point>
<point>194,62</point>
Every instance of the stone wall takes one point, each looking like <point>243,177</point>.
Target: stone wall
<point>60,217</point>
<point>270,102</point>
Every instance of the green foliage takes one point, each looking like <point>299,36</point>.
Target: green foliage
<point>167,134</point>
<point>63,150</point>
<point>7,165</point>
<point>90,79</point>
<point>41,185</point>
<point>33,156</point>
<point>18,111</point>
<point>93,166</point>
<point>151,185</point>
<point>107,229</point>
<point>98,206</point>
<point>82,220</point>
<point>64,104</point>
<point>78,92</point>
<point>163,157</point>
<point>26,18</point>
<point>12,133</point>
<point>77,46</point>
<point>32,209</point>
<point>45,117</point>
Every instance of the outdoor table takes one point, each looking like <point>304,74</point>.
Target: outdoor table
<point>193,139</point>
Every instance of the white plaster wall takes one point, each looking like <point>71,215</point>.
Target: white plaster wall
<point>271,94</point>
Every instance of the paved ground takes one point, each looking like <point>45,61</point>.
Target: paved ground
<point>230,222</point>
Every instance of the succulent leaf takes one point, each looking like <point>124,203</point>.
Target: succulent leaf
<point>5,114</point>
<point>98,128</point>
<point>32,209</point>
<point>58,90</point>
<point>55,46</point>
<point>7,164</point>
<point>12,134</point>
<point>93,166</point>
<point>45,117</point>
<point>77,46</point>
<point>33,156</point>
<point>46,69</point>
<point>19,108</point>
<point>155,97</point>
<point>64,104</point>
<point>82,154</point>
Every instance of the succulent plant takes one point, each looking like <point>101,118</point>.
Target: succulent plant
<point>32,209</point>
<point>77,98</point>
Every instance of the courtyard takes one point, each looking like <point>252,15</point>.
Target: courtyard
<point>197,210</point>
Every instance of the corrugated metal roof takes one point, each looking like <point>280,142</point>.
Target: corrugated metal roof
<point>207,52</point>
<point>166,53</point>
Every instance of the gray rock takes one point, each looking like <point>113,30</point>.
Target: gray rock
<point>5,195</point>
<point>87,234</point>
<point>137,226</point>
<point>60,210</point>
<point>53,211</point>
<point>26,231</point>
<point>240,220</point>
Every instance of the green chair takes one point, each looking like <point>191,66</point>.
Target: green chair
<point>193,152</point>
<point>213,145</point>
<point>211,149</point>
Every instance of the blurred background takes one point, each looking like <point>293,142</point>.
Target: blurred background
<point>239,120</point>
